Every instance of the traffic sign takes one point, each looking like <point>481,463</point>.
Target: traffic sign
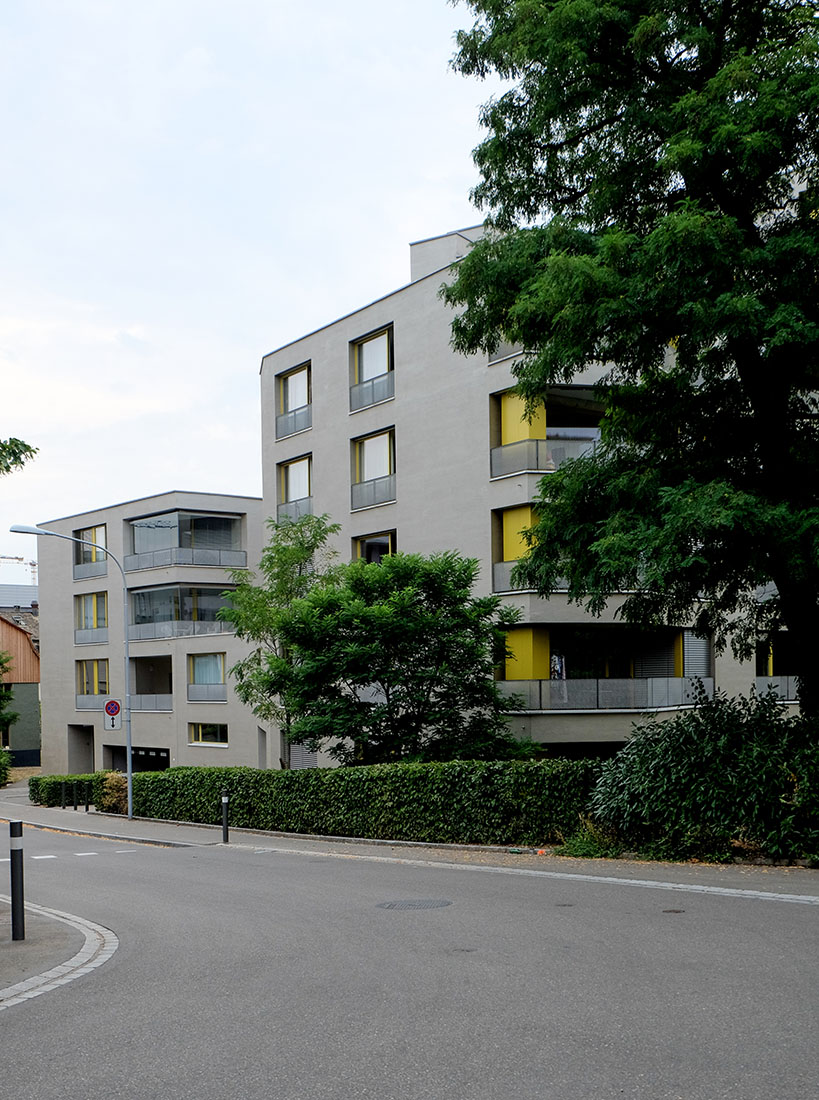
<point>113,715</point>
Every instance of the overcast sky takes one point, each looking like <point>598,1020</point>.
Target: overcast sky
<point>187,185</point>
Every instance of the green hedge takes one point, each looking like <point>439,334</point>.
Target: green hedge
<point>46,790</point>
<point>5,765</point>
<point>465,802</point>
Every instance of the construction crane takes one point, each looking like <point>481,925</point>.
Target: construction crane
<point>22,561</point>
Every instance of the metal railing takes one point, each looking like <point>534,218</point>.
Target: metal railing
<point>207,693</point>
<point>152,702</point>
<point>179,628</point>
<point>786,687</point>
<point>607,694</point>
<point>183,555</point>
<point>296,421</point>
<point>380,388</point>
<point>87,637</point>
<point>380,490</point>
<point>542,455</point>
<point>90,569</point>
<point>295,509</point>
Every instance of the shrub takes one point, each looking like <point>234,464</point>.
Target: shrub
<point>113,797</point>
<point>468,802</point>
<point>5,766</point>
<point>729,777</point>
<point>46,790</point>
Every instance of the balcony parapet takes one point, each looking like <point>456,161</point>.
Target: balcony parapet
<point>373,391</point>
<point>542,455</point>
<point>181,555</point>
<point>632,694</point>
<point>380,490</point>
<point>786,687</point>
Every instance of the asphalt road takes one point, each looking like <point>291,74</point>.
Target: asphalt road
<point>249,973</point>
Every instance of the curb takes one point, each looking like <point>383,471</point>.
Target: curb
<point>100,944</point>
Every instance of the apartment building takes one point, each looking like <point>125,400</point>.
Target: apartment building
<point>374,420</point>
<point>176,550</point>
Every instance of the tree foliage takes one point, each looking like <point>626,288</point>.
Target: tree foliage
<point>14,453</point>
<point>7,716</point>
<point>387,661</point>
<point>295,560</point>
<point>652,188</point>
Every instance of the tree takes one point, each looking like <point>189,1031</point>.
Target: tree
<point>14,453</point>
<point>7,716</point>
<point>394,660</point>
<point>652,183</point>
<point>295,560</point>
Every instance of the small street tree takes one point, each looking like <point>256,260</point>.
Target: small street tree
<point>652,183</point>
<point>7,716</point>
<point>392,660</point>
<point>295,560</point>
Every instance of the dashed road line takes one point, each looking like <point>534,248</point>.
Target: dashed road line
<point>100,944</point>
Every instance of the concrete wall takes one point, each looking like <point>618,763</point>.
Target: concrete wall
<point>69,734</point>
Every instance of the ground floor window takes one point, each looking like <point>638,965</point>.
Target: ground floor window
<point>211,733</point>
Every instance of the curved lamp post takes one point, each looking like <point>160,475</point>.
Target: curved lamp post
<point>21,529</point>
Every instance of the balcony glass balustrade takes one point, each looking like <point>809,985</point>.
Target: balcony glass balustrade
<point>542,455</point>
<point>631,694</point>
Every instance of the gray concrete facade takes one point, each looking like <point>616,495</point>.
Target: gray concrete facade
<point>450,484</point>
<point>177,589</point>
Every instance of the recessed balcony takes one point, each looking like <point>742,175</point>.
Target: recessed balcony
<point>607,694</point>
<point>542,455</point>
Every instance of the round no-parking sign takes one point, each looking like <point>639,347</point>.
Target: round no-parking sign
<point>113,715</point>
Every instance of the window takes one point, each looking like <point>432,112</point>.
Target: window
<point>295,488</point>
<point>92,677</point>
<point>374,470</point>
<point>176,611</point>
<point>293,398</point>
<point>372,370</point>
<point>206,678</point>
<point>206,668</point>
<point>91,611</point>
<point>207,733</point>
<point>85,554</point>
<point>186,538</point>
<point>373,548</point>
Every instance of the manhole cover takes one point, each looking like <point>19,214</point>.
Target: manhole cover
<point>411,903</point>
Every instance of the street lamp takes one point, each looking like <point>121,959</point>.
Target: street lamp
<point>21,529</point>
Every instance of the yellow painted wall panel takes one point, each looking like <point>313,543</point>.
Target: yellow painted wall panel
<point>515,426</point>
<point>529,658</point>
<point>514,521</point>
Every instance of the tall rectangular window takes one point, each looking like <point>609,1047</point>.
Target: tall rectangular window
<point>206,668</point>
<point>375,457</point>
<point>371,375</point>
<point>373,470</point>
<point>294,398</point>
<point>295,489</point>
<point>91,611</point>
<point>373,356</point>
<point>92,677</point>
<point>83,553</point>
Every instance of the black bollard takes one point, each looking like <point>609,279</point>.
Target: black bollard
<point>18,912</point>
<point>224,817</point>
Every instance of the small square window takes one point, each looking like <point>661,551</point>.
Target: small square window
<point>206,668</point>
<point>84,553</point>
<point>372,548</point>
<point>207,733</point>
<point>92,677</point>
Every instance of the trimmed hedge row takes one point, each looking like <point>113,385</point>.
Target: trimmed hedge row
<point>462,802</point>
<point>5,765</point>
<point>465,802</point>
<point>46,790</point>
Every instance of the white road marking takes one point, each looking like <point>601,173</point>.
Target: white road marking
<point>43,857</point>
<point>86,853</point>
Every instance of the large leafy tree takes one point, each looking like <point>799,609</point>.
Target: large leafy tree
<point>392,661</point>
<point>295,560</point>
<point>651,178</point>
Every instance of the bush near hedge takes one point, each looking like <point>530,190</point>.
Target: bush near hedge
<point>462,802</point>
<point>731,777</point>
<point>46,790</point>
